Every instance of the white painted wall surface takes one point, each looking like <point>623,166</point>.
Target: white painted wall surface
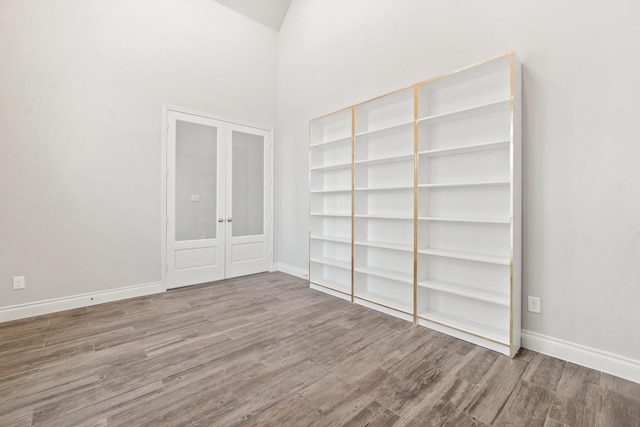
<point>82,83</point>
<point>581,133</point>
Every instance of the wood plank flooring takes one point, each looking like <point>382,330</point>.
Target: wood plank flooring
<point>265,350</point>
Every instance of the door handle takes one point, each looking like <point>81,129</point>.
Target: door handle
<point>220,219</point>
<point>228,219</point>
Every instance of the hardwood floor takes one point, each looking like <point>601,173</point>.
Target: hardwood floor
<point>267,350</point>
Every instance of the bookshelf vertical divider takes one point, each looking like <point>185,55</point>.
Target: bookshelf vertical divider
<point>353,186</point>
<point>415,203</point>
<point>416,145</point>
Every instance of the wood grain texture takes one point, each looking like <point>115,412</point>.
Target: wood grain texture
<point>618,410</point>
<point>265,350</point>
<point>621,386</point>
<point>374,415</point>
<point>544,371</point>
<point>553,423</point>
<point>476,364</point>
<point>578,397</point>
<point>462,419</point>
<point>495,389</point>
<point>528,405</point>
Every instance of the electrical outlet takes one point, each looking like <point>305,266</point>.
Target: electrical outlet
<point>534,304</point>
<point>18,282</point>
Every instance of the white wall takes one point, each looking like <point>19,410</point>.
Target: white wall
<point>581,127</point>
<point>82,83</point>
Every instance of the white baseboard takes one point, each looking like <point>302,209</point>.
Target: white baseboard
<point>294,271</point>
<point>37,308</point>
<point>610,363</point>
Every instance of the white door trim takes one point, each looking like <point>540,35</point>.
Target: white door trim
<point>163,178</point>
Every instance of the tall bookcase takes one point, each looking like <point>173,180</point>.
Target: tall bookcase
<point>383,207</point>
<point>330,179</point>
<point>416,203</point>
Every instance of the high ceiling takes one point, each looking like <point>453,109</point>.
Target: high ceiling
<point>267,12</point>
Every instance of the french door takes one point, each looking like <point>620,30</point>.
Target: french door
<point>219,197</point>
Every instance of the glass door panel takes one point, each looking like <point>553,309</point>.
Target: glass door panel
<point>196,181</point>
<point>248,184</point>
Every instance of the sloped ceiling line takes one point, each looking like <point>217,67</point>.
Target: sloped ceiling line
<point>267,12</point>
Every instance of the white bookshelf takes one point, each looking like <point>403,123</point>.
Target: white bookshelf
<point>384,200</point>
<point>429,177</point>
<point>330,180</point>
<point>469,210</point>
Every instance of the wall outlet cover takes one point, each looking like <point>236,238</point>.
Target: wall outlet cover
<point>18,282</point>
<point>534,304</point>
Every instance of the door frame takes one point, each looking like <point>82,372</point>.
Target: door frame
<point>164,175</point>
